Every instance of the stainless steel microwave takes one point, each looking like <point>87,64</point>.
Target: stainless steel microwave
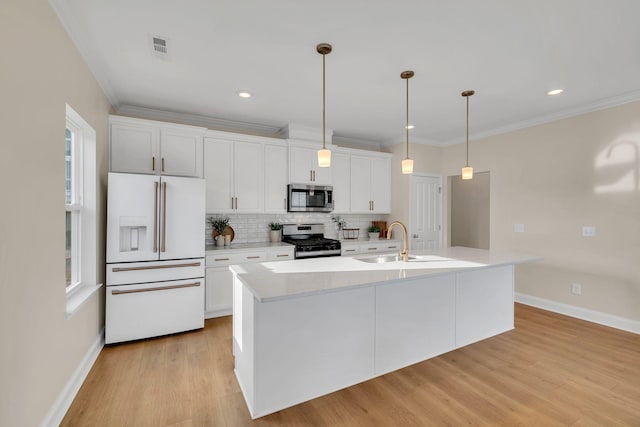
<point>309,198</point>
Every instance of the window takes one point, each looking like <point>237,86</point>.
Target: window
<point>80,210</point>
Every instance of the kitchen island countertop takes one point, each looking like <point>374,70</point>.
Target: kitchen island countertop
<point>271,281</point>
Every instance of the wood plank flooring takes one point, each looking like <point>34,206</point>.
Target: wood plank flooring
<point>552,370</point>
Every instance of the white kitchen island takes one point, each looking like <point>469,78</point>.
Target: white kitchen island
<point>305,328</point>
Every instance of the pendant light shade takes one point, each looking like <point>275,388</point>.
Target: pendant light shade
<point>467,171</point>
<point>324,155</point>
<point>407,163</point>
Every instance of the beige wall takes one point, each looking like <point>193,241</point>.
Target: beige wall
<point>426,159</point>
<point>41,71</point>
<point>555,178</point>
<point>470,211</point>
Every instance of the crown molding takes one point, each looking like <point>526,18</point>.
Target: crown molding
<point>199,120</point>
<point>599,105</point>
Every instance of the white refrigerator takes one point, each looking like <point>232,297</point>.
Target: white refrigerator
<point>155,256</point>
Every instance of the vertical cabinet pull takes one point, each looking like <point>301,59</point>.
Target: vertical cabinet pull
<point>232,203</point>
<point>162,164</point>
<point>155,217</point>
<point>285,203</point>
<point>153,163</point>
<point>164,217</point>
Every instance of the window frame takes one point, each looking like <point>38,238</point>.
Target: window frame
<point>83,208</point>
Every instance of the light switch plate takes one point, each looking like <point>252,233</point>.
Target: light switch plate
<point>518,228</point>
<point>588,231</point>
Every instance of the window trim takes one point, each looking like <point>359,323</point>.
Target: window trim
<point>84,203</point>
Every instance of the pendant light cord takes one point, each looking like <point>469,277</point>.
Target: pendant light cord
<point>467,131</point>
<point>323,101</point>
<point>406,126</point>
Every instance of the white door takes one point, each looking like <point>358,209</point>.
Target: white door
<point>132,217</point>
<point>425,218</point>
<point>182,217</point>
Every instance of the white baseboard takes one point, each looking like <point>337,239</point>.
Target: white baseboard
<point>63,402</point>
<point>599,317</point>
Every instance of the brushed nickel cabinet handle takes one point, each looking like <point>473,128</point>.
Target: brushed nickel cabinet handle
<point>282,255</point>
<point>155,218</point>
<point>163,248</point>
<point>253,257</point>
<point>163,164</point>
<point>221,259</point>
<point>153,163</point>
<point>156,267</point>
<point>160,288</point>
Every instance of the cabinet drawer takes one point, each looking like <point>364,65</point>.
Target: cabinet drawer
<point>280,255</point>
<point>226,258</point>
<point>350,250</point>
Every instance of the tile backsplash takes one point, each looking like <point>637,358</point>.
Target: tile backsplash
<point>253,228</point>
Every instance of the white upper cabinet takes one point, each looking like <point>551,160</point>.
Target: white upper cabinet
<point>370,183</point>
<point>275,178</point>
<point>303,166</point>
<point>155,148</point>
<point>234,174</point>
<point>341,178</point>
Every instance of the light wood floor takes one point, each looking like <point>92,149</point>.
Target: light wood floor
<point>551,370</point>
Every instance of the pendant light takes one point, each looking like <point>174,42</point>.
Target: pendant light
<point>407,163</point>
<point>467,171</point>
<point>324,155</point>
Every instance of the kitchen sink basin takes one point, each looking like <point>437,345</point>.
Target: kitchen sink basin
<point>385,258</point>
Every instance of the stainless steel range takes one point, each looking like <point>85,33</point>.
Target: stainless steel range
<point>310,241</point>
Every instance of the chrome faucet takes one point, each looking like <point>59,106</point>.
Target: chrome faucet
<point>404,254</point>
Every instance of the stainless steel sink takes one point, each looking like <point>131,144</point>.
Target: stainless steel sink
<point>384,258</point>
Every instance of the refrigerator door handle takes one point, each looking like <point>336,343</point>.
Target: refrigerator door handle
<point>155,218</point>
<point>164,217</point>
<point>156,267</point>
<point>160,288</point>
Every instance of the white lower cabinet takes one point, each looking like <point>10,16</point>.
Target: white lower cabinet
<point>219,280</point>
<point>371,247</point>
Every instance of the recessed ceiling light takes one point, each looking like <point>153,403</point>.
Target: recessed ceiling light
<point>555,92</point>
<point>244,94</point>
<point>410,126</point>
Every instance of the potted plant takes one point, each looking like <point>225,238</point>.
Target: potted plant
<point>275,231</point>
<point>374,232</point>
<point>219,224</point>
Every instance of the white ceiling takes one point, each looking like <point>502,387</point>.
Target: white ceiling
<point>510,51</point>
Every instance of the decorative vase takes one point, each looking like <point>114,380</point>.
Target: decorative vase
<point>220,240</point>
<point>274,235</point>
<point>374,235</point>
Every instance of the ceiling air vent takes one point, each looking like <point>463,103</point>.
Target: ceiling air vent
<point>159,46</point>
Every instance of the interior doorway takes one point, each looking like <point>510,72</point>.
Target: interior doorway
<point>469,210</point>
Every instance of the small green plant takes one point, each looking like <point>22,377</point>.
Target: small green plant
<point>275,226</point>
<point>219,223</point>
<point>374,229</point>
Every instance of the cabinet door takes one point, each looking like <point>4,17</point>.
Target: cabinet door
<point>360,184</point>
<point>301,165</point>
<point>248,176</point>
<point>321,176</point>
<point>275,179</point>
<point>180,153</point>
<point>218,292</point>
<point>134,149</point>
<point>340,178</point>
<point>381,185</point>
<point>218,163</point>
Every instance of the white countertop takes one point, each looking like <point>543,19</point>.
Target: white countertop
<point>258,245</point>
<point>270,281</point>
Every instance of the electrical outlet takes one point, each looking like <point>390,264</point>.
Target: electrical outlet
<point>576,288</point>
<point>588,231</point>
<point>518,228</point>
